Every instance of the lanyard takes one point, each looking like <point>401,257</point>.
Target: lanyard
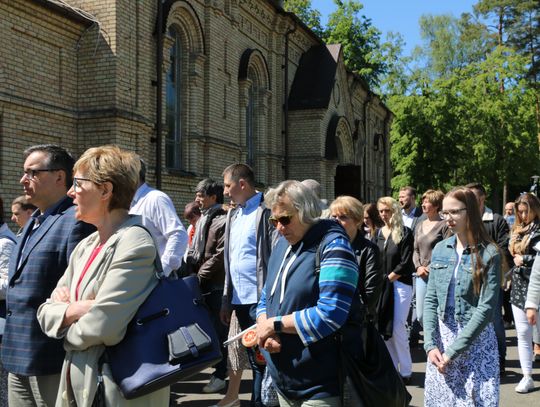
<point>285,271</point>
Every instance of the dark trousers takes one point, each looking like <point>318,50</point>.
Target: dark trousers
<point>498,324</point>
<point>213,301</point>
<point>246,315</point>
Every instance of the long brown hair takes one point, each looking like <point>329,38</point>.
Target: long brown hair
<point>371,210</point>
<point>532,202</point>
<point>523,229</point>
<point>475,231</point>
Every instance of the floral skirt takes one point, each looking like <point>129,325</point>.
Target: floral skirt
<point>472,379</point>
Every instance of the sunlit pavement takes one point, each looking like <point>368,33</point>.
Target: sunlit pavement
<point>189,393</point>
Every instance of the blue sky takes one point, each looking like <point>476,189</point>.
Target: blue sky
<point>400,15</point>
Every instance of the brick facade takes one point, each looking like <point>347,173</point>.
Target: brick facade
<point>67,80</point>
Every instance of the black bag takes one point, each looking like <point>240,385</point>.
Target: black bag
<point>141,362</point>
<point>372,374</point>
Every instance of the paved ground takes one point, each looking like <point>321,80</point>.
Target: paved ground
<point>189,393</point>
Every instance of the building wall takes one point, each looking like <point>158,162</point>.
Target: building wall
<point>82,85</point>
<point>38,86</point>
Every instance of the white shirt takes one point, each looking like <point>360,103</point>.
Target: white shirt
<point>408,218</point>
<point>159,216</point>
<point>7,243</point>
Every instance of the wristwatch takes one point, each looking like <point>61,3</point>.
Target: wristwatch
<point>278,326</point>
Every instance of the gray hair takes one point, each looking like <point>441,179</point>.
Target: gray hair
<point>314,186</point>
<point>302,198</point>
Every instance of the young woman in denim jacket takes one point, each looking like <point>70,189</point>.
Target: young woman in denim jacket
<point>525,235</point>
<point>463,289</point>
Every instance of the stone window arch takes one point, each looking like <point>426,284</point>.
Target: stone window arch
<point>183,66</point>
<point>344,142</point>
<point>254,85</point>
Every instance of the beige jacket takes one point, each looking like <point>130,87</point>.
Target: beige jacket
<point>119,279</point>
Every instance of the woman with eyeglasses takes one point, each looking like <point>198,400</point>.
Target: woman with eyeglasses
<point>310,292</point>
<point>110,274</point>
<point>428,233</point>
<point>348,211</point>
<point>462,293</point>
<point>395,243</point>
<point>524,236</point>
<point>372,220</point>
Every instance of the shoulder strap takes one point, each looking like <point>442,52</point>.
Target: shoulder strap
<point>157,261</point>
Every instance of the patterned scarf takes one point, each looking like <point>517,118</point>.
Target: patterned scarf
<point>519,241</point>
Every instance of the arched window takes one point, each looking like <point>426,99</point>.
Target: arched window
<point>251,115</point>
<point>173,110</point>
<point>254,86</point>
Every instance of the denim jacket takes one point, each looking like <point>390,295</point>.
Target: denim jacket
<point>473,312</point>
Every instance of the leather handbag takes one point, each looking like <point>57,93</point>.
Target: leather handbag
<point>371,374</point>
<point>170,338</point>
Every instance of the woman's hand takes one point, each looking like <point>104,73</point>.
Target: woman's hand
<point>273,344</point>
<point>265,329</point>
<point>532,316</point>
<point>439,360</point>
<point>60,294</point>
<point>518,260</point>
<point>393,277</point>
<point>422,271</point>
<point>76,310</point>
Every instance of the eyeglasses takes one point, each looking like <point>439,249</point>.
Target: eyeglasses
<point>31,173</point>
<point>342,218</point>
<point>451,213</point>
<point>77,183</point>
<point>284,220</point>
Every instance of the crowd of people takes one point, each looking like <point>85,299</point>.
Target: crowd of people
<point>90,233</point>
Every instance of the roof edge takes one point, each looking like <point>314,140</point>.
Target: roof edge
<point>65,11</point>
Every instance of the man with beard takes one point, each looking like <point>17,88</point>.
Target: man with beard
<point>412,214</point>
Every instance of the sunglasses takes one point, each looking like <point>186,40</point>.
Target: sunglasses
<point>284,220</point>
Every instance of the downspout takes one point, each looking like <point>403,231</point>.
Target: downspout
<point>286,100</point>
<point>159,90</point>
<point>364,158</point>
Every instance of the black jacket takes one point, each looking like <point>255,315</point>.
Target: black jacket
<point>499,232</point>
<point>397,259</point>
<point>370,280</point>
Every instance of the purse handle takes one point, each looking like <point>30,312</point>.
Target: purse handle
<point>158,267</point>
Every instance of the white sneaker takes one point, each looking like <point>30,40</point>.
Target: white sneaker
<point>214,385</point>
<point>525,385</point>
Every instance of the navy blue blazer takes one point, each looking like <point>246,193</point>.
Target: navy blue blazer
<point>33,275</point>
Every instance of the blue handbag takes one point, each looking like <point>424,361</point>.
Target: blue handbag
<point>143,361</point>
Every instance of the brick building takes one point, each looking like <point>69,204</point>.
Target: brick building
<point>241,80</point>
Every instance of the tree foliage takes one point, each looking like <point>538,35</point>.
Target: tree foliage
<point>457,125</point>
<point>363,50</point>
<point>303,10</point>
<point>360,39</point>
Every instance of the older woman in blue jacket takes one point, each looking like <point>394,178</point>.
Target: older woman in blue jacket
<point>462,293</point>
<point>300,309</point>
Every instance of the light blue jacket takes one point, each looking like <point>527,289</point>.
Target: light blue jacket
<point>473,312</point>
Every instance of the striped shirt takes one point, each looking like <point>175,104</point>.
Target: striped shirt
<point>337,281</point>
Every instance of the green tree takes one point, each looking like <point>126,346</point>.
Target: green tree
<point>360,40</point>
<point>517,24</point>
<point>304,11</point>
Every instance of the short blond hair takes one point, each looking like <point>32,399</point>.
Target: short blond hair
<point>115,165</point>
<point>434,197</point>
<point>350,206</point>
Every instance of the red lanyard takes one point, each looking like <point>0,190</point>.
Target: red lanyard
<point>93,255</point>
